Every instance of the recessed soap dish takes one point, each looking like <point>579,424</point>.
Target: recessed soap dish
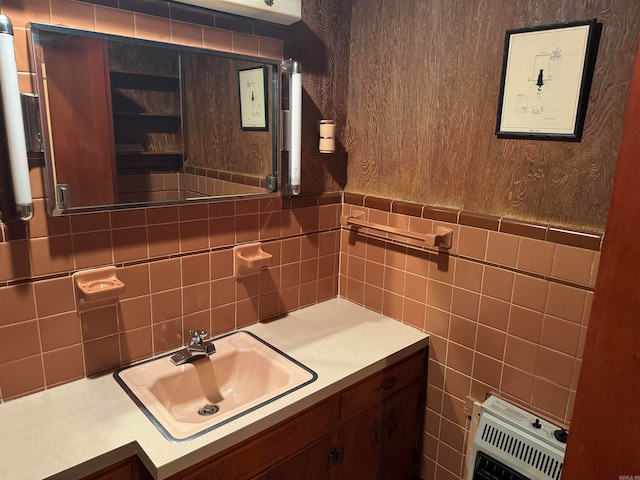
<point>250,258</point>
<point>98,284</point>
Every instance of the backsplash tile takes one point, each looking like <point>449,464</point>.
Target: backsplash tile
<point>506,313</point>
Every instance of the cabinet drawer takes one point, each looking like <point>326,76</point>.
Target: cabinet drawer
<point>379,386</point>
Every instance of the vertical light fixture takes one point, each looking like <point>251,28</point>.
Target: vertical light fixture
<point>14,125</point>
<point>294,127</point>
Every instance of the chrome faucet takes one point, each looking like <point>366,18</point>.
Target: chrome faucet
<point>198,347</point>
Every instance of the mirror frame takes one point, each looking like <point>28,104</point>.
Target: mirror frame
<point>48,173</point>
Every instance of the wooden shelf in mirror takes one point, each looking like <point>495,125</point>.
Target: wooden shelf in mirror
<point>144,81</point>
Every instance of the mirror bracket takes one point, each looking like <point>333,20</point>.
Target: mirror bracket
<point>31,115</point>
<point>62,196</point>
<point>272,183</point>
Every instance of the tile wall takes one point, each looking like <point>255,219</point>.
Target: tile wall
<point>506,312</point>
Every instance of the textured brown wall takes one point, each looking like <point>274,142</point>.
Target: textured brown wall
<point>212,120</point>
<point>321,43</point>
<point>424,78</point>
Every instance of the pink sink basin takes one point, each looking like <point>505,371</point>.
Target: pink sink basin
<point>188,400</point>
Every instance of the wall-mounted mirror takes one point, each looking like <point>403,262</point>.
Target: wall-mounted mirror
<point>129,122</point>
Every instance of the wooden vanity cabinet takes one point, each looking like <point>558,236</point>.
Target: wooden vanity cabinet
<point>128,469</point>
<point>369,431</point>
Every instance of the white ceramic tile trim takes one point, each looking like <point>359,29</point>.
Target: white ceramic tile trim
<point>83,426</point>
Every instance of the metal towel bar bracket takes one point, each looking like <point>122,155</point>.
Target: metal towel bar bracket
<point>442,237</point>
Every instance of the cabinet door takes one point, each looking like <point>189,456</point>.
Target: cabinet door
<point>311,463</point>
<point>359,443</point>
<point>75,86</point>
<point>400,433</point>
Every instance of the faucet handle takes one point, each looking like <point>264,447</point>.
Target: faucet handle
<point>197,336</point>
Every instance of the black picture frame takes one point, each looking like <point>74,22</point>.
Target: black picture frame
<point>254,98</point>
<point>551,105</point>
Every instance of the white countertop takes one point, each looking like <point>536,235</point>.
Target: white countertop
<point>81,427</point>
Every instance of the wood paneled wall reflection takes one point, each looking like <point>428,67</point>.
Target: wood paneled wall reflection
<point>321,43</point>
<point>424,78</point>
<point>214,138</point>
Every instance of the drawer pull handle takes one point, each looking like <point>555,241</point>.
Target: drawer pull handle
<point>386,385</point>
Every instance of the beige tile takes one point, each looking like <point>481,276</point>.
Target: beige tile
<point>223,319</point>
<point>63,365</point>
<point>22,12</point>
<point>462,331</point>
<point>437,321</point>
<point>136,345</point>
<point>472,242</point>
<point>73,14</point>
<point>135,279</point>
<point>152,28</point>
<point>134,313</point>
<point>51,255</point>
<point>92,249</point>
<point>554,366</point>
<point>439,295</point>
<point>560,335</point>
<point>117,22</point>
<point>166,305</point>
<point>186,34</point>
<point>18,303</point>
<point>442,267</point>
<point>99,323</point>
<point>374,275</point>
<point>530,292</point>
<point>195,235</point>
<point>248,310</point>
<point>572,264</point>
<point>517,383</point>
<point>486,369</point>
<point>14,260</point>
<point>525,323</point>
<point>392,305</point>
<point>270,48</point>
<point>502,249</point>
<point>102,355</point>
<point>61,330</point>
<point>497,283</point>
<point>535,256</point>
<point>456,383</point>
<point>521,354</point>
<point>494,313</point>
<point>450,459</point>
<point>165,275</point>
<point>413,313</point>
<point>167,335</point>
<point>468,275</point>
<point>221,264</point>
<point>129,244</point>
<point>550,397</point>
<point>594,269</point>
<point>21,377</point>
<point>566,302</point>
<point>490,342</point>
<point>460,358</point>
<point>19,340</point>
<point>393,280</point>
<point>465,303</point>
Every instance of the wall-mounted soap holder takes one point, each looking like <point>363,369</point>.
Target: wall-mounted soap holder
<point>97,287</point>
<point>250,258</point>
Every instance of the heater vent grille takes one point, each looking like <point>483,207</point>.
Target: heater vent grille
<point>522,451</point>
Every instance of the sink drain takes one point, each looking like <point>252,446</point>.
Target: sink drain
<point>208,410</point>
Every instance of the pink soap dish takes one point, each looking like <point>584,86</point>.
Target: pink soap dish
<point>250,258</point>
<point>98,284</point>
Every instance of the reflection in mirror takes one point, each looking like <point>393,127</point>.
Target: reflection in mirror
<point>128,122</point>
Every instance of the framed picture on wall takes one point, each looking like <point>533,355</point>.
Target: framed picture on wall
<point>546,77</point>
<point>252,86</point>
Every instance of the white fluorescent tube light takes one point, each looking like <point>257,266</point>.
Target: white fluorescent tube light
<point>16,140</point>
<point>294,70</point>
